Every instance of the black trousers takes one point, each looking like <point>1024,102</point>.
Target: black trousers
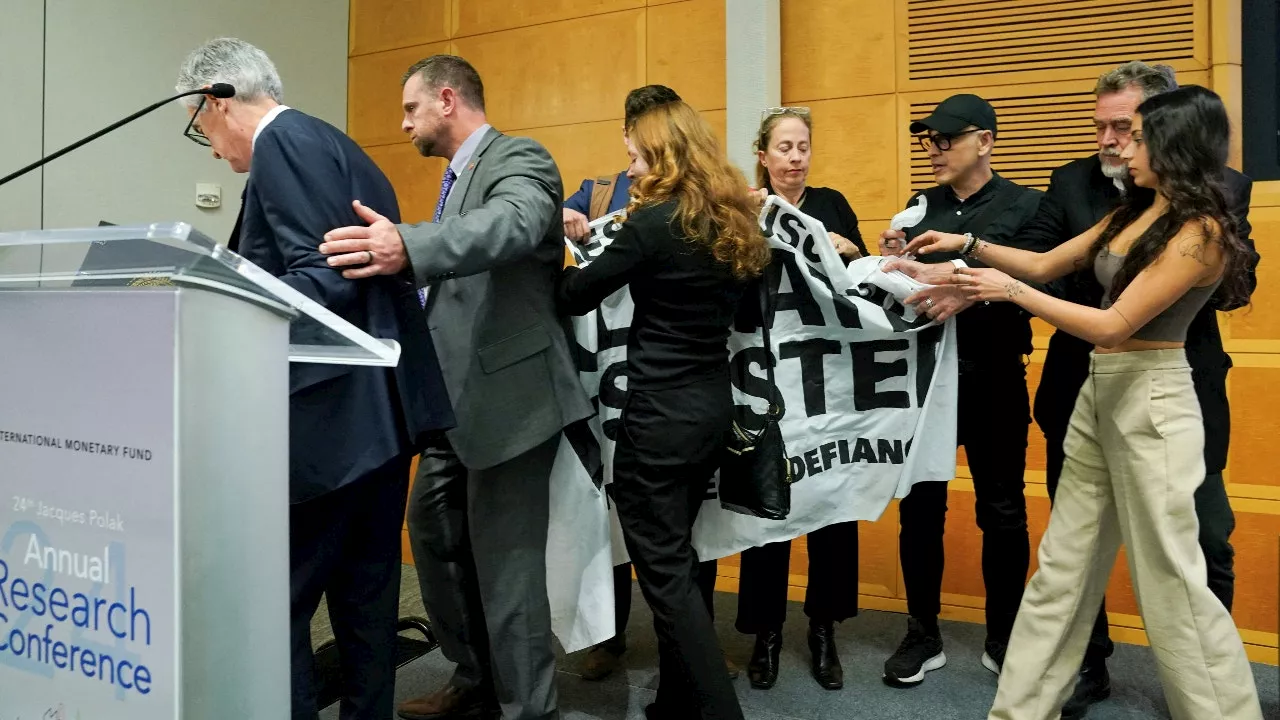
<point>706,580</point>
<point>832,593</point>
<point>1054,406</point>
<point>345,545</point>
<point>668,448</point>
<point>994,415</point>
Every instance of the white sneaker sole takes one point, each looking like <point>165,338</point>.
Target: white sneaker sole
<point>934,663</point>
<point>989,663</point>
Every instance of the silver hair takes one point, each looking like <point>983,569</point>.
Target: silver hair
<point>232,61</point>
<point>1150,79</point>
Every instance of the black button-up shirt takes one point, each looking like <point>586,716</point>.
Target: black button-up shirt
<point>998,333</point>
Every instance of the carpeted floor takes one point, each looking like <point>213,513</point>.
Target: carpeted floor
<point>961,691</point>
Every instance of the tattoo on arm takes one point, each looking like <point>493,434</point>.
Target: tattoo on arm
<point>1193,247</point>
<point>1014,289</point>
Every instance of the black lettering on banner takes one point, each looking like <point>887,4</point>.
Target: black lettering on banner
<point>890,452</point>
<point>927,341</point>
<point>844,453</point>
<point>862,451</point>
<point>869,372</point>
<point>828,451</point>
<point>797,468</point>
<point>812,463</point>
<point>800,299</point>
<point>613,396</point>
<point>893,310</point>
<point>587,448</point>
<point>846,311</point>
<point>749,383</point>
<point>812,374</point>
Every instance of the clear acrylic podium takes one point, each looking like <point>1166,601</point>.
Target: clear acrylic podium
<point>144,462</point>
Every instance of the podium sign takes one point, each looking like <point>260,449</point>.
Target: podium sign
<point>144,473</point>
<point>88,602</point>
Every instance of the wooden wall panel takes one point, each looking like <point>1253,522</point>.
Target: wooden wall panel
<point>851,155</point>
<point>993,42</point>
<point>374,100</point>
<point>686,51</point>
<point>534,77</point>
<point>1253,426</point>
<point>388,24</point>
<point>878,555</point>
<point>1260,321</point>
<point>583,151</point>
<point>476,17</point>
<point>1257,562</point>
<point>415,178</point>
<point>824,55</point>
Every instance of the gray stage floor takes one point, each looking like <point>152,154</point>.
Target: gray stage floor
<point>962,690</point>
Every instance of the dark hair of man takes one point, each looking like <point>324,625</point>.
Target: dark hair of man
<point>452,71</point>
<point>643,99</point>
<point>1186,133</point>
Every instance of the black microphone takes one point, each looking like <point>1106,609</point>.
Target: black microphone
<point>218,90</point>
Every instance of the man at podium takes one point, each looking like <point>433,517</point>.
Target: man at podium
<point>352,430</point>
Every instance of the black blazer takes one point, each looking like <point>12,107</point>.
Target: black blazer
<point>1079,196</point>
<point>344,421</point>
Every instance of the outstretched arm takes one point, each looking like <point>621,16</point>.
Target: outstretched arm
<point>1040,267</point>
<point>1188,260</point>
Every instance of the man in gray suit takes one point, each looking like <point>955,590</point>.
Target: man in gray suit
<point>478,513</point>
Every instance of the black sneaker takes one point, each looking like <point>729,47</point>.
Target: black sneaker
<point>920,652</point>
<point>993,656</point>
<point>1093,686</point>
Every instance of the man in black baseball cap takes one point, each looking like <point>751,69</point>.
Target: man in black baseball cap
<point>957,114</point>
<point>994,409</point>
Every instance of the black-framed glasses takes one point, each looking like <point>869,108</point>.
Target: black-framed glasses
<point>943,142</point>
<point>192,132</point>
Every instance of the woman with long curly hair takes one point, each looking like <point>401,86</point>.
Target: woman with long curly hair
<point>689,246</point>
<point>1134,448</point>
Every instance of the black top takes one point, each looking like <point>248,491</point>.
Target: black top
<point>830,208</point>
<point>999,332</point>
<point>684,300</point>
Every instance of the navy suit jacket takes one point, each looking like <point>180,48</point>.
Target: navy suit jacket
<point>581,200</point>
<point>344,421</point>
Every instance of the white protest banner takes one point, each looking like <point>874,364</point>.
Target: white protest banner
<point>869,392</point>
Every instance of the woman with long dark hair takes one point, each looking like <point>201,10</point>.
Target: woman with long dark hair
<point>1134,449</point>
<point>688,248</point>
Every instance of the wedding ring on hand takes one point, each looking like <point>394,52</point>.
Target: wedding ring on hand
<point>370,260</point>
<point>928,302</point>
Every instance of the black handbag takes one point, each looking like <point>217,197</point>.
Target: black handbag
<point>755,474</point>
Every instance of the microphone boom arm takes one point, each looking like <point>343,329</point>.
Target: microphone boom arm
<point>50,158</point>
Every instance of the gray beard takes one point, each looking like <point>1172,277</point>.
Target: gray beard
<point>1115,172</point>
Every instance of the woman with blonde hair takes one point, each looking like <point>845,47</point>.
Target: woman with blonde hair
<point>688,248</point>
<point>783,148</point>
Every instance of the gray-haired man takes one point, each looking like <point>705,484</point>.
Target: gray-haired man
<point>479,512</point>
<point>353,431</point>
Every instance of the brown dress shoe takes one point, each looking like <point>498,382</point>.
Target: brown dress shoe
<point>448,703</point>
<point>732,667</point>
<point>601,661</point>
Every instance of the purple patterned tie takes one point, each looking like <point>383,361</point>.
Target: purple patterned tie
<point>445,185</point>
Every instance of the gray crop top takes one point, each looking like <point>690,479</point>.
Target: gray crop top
<point>1168,326</point>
